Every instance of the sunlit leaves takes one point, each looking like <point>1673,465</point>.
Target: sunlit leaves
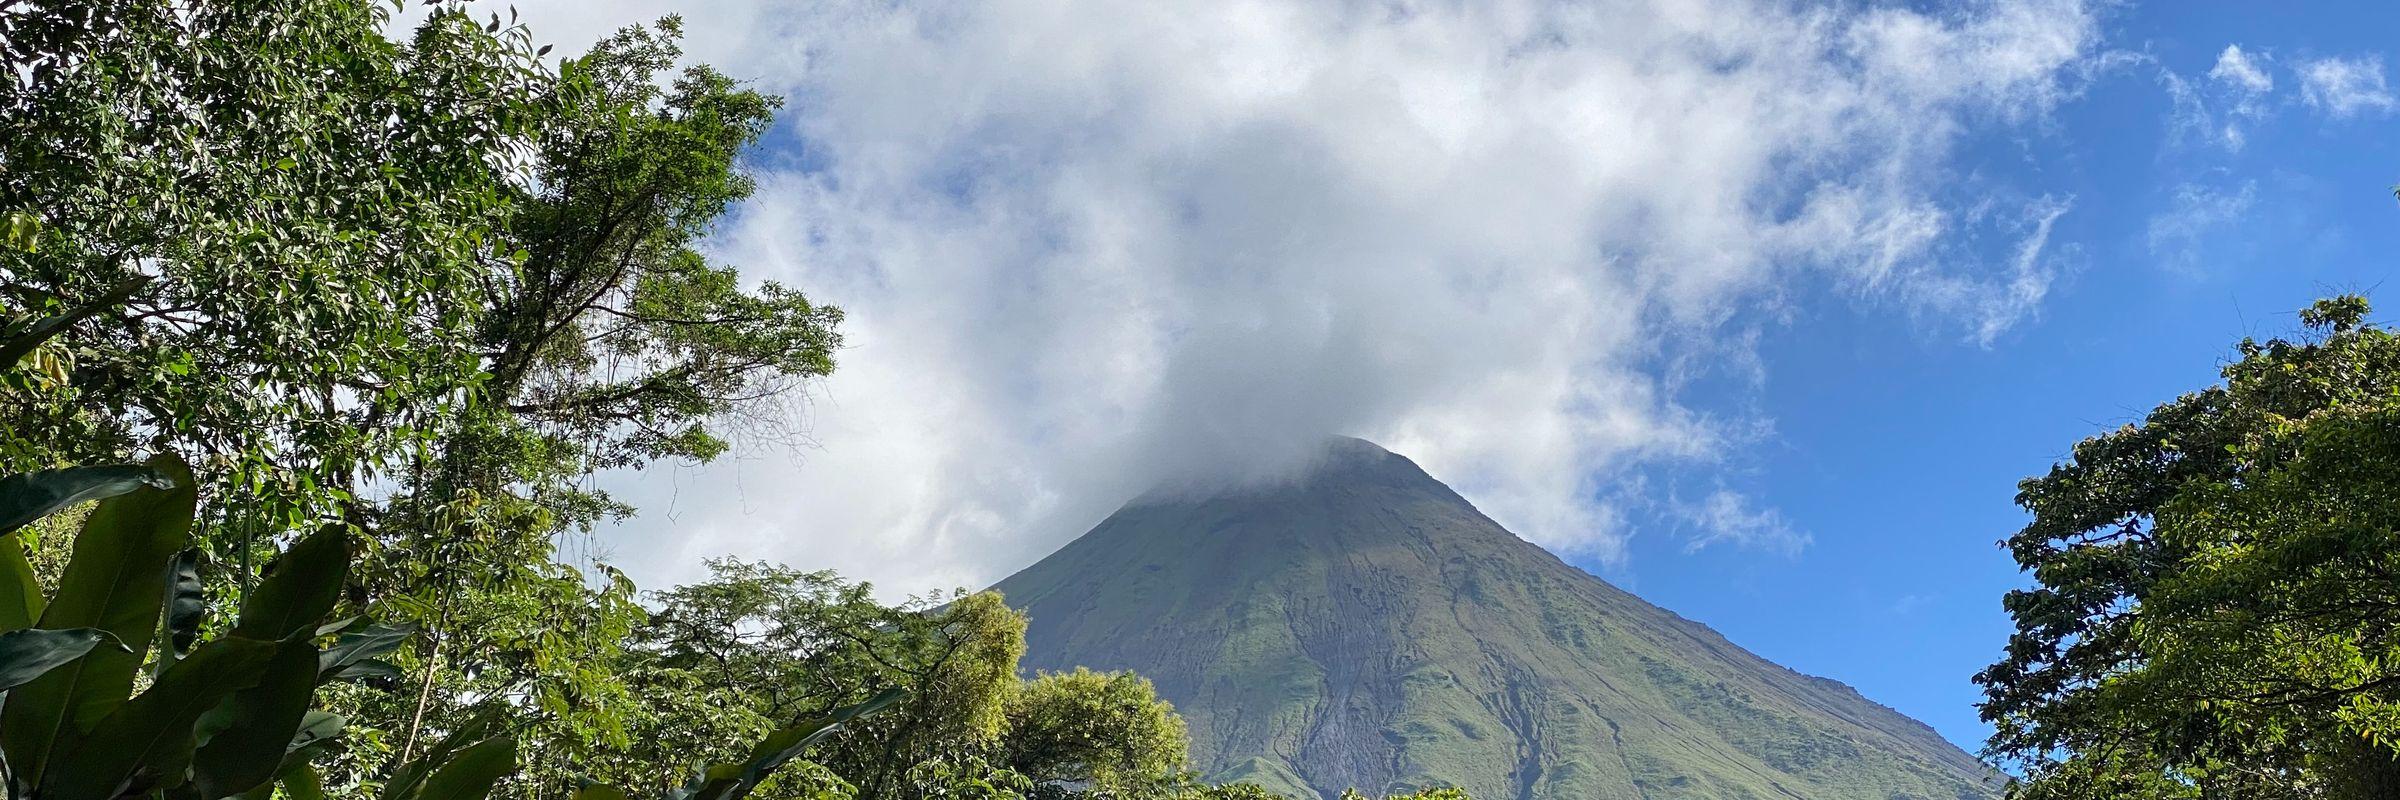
<point>2216,611</point>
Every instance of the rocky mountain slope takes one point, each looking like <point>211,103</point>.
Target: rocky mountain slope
<point>1366,626</point>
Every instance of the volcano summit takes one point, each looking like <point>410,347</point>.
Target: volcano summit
<point>1364,626</point>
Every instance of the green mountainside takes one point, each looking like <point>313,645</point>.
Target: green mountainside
<point>1367,627</point>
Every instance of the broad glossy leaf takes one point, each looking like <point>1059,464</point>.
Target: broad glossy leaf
<point>787,744</point>
<point>34,495</point>
<point>300,588</point>
<point>362,646</point>
<point>110,583</point>
<point>27,654</point>
<point>734,781</point>
<point>338,626</point>
<point>316,727</point>
<point>20,592</point>
<point>369,669</point>
<point>264,791</point>
<point>318,731</point>
<point>471,774</point>
<point>300,782</point>
<point>150,736</point>
<point>185,604</point>
<point>248,734</point>
<point>405,778</point>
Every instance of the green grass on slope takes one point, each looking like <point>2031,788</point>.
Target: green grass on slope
<point>1367,627</point>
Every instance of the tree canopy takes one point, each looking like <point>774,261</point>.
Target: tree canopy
<point>2215,611</point>
<point>385,301</point>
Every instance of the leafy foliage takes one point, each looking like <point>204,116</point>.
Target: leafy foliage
<point>1105,730</point>
<point>292,208</point>
<point>2215,611</point>
<point>409,294</point>
<point>218,721</point>
<point>769,642</point>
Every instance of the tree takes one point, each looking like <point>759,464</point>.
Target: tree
<point>725,658</point>
<point>763,643</point>
<point>614,332</point>
<point>2216,612</point>
<point>286,212</point>
<point>608,342</point>
<point>1104,730</point>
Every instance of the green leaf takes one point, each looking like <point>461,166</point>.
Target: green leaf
<point>21,230</point>
<point>366,670</point>
<point>472,773</point>
<point>34,495</point>
<point>338,626</point>
<point>318,730</point>
<point>248,734</point>
<point>733,781</point>
<point>27,654</point>
<point>20,340</point>
<point>264,791</point>
<point>20,591</point>
<point>300,588</point>
<point>111,584</point>
<point>361,647</point>
<point>150,736</point>
<point>599,791</point>
<point>185,605</point>
<point>300,782</point>
<point>405,778</point>
<point>316,727</point>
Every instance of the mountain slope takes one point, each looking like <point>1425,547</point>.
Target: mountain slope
<point>1368,627</point>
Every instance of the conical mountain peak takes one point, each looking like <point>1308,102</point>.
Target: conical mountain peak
<point>1364,626</point>
<point>1335,460</point>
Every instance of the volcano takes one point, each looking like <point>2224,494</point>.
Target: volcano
<point>1365,626</point>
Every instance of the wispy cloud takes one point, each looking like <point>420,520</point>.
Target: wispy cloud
<point>2178,236</point>
<point>2242,71</point>
<point>1089,246</point>
<point>2346,87</point>
<point>2236,96</point>
<point>1730,519</point>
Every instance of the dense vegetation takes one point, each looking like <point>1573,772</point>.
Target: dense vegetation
<point>2217,608</point>
<point>372,307</point>
<point>314,332</point>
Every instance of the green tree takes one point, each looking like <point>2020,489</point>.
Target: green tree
<point>614,338</point>
<point>2216,612</point>
<point>758,643</point>
<point>609,342</point>
<point>295,209</point>
<point>1106,731</point>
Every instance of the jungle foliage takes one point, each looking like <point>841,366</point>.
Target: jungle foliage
<point>371,306</point>
<point>2217,602</point>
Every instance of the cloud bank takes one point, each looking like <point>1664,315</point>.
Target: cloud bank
<point>1088,248</point>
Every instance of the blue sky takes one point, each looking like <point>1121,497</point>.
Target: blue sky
<point>1755,308</point>
<point>1898,454</point>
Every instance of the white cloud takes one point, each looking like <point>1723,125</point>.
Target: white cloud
<point>2241,70</point>
<point>1089,246</point>
<point>2221,110</point>
<point>2179,235</point>
<point>2346,87</point>
<point>1728,518</point>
